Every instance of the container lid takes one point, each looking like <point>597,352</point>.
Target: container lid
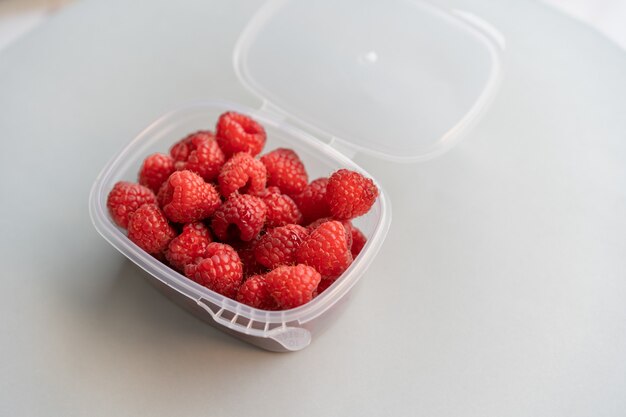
<point>399,79</point>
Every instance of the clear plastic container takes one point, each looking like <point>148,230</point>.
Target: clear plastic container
<point>327,73</point>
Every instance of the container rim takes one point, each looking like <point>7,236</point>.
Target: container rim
<point>305,313</point>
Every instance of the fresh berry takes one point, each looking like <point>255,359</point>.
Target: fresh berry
<point>180,150</point>
<point>266,192</point>
<point>239,133</point>
<point>220,271</point>
<point>246,254</point>
<point>285,170</point>
<point>242,173</point>
<point>323,285</point>
<point>358,241</point>
<point>326,249</point>
<point>149,229</point>
<point>281,210</point>
<point>254,292</point>
<point>189,246</point>
<point>125,198</point>
<point>279,245</point>
<point>186,198</point>
<point>155,170</point>
<point>292,286</point>
<point>241,216</point>
<point>349,194</point>
<point>347,225</point>
<point>162,194</point>
<point>200,153</point>
<point>312,201</point>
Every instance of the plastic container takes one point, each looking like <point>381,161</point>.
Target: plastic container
<point>327,73</point>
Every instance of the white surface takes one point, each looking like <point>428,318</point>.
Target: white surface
<point>502,278</point>
<point>607,16</point>
<point>18,17</point>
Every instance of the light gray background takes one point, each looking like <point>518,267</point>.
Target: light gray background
<point>500,290</point>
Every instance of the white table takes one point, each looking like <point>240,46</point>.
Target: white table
<point>510,268</point>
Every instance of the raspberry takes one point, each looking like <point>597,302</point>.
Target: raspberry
<point>189,246</point>
<point>358,241</point>
<point>326,249</point>
<point>162,194</point>
<point>312,201</point>
<point>279,245</point>
<point>346,225</point>
<point>266,192</point>
<point>254,292</point>
<point>239,133</point>
<point>241,216</point>
<point>125,198</point>
<point>292,286</point>
<point>323,285</point>
<point>220,271</point>
<point>242,173</point>
<point>246,254</point>
<point>349,194</point>
<point>285,170</point>
<point>186,198</point>
<point>281,210</point>
<point>180,150</point>
<point>199,153</point>
<point>155,170</point>
<point>149,229</point>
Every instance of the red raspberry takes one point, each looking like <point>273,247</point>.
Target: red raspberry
<point>279,245</point>
<point>189,246</point>
<point>358,241</point>
<point>155,170</point>
<point>241,216</point>
<point>281,210</point>
<point>323,285</point>
<point>186,198</point>
<point>180,150</point>
<point>239,133</point>
<point>246,254</point>
<point>267,191</point>
<point>312,201</point>
<point>149,229</point>
<point>346,225</point>
<point>285,170</point>
<point>292,286</point>
<point>326,249</point>
<point>254,292</point>
<point>162,194</point>
<point>200,153</point>
<point>242,173</point>
<point>220,271</point>
<point>126,197</point>
<point>350,194</point>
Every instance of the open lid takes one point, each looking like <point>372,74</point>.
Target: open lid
<point>400,79</point>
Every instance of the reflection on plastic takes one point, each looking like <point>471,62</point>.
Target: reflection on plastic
<point>293,338</point>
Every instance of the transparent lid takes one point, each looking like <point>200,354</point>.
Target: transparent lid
<point>399,79</point>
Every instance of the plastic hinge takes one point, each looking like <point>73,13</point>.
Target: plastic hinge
<point>291,338</point>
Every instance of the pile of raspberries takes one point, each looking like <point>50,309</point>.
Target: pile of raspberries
<point>252,229</point>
